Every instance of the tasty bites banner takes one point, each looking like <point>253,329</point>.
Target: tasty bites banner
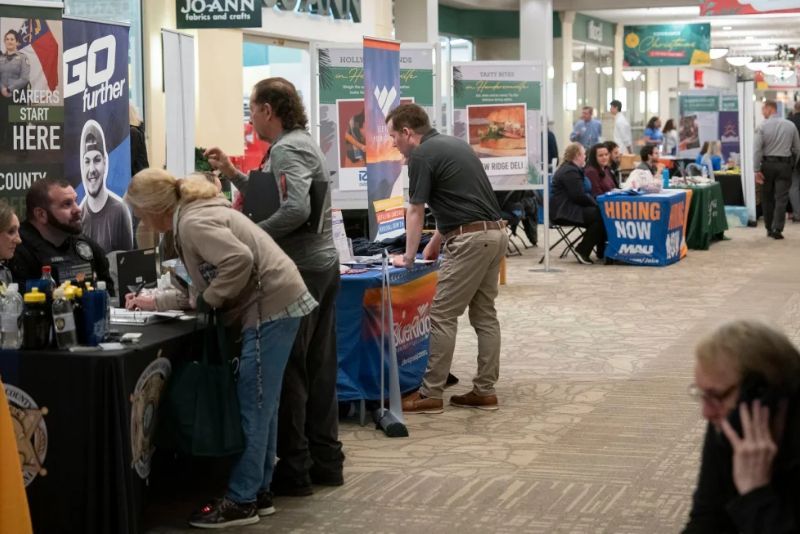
<point>342,118</point>
<point>646,230</point>
<point>748,7</point>
<point>667,45</point>
<point>31,104</point>
<point>497,110</point>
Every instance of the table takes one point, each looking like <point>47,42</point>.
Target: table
<point>731,183</point>
<point>84,424</point>
<point>707,220</point>
<point>645,229</point>
<point>358,330</point>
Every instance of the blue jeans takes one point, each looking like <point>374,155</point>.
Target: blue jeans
<point>259,391</point>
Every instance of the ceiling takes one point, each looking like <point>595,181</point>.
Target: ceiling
<point>755,35</point>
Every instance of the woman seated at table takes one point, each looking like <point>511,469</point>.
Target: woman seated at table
<point>598,170</point>
<point>710,156</point>
<point>9,239</point>
<point>571,205</point>
<point>237,268</point>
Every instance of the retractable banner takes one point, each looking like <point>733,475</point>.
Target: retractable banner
<point>31,104</point>
<point>708,116</point>
<point>97,153</point>
<point>497,109</point>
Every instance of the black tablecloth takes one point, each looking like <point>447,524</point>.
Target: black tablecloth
<point>79,437</point>
<point>731,184</point>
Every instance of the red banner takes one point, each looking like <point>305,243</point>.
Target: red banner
<point>748,7</point>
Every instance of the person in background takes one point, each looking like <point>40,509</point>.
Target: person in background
<point>652,133</point>
<point>615,158</point>
<point>747,379</point>
<point>598,170</point>
<point>9,239</point>
<point>445,173</point>
<point>622,128</point>
<point>777,148</point>
<point>671,138</point>
<point>309,449</point>
<point>650,155</point>
<point>139,160</point>
<point>794,189</point>
<point>238,268</point>
<point>552,145</point>
<point>51,235</point>
<point>586,131</point>
<point>15,71</point>
<point>710,156</point>
<point>572,205</point>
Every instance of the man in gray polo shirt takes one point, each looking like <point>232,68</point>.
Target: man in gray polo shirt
<point>777,147</point>
<point>445,173</point>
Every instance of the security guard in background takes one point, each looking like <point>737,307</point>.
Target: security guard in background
<point>51,235</point>
<point>777,147</point>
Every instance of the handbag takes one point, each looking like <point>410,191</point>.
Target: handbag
<point>199,415</point>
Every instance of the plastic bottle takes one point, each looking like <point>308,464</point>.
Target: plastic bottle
<point>77,312</point>
<point>101,288</point>
<point>665,178</point>
<point>47,284</point>
<point>64,320</point>
<point>35,320</point>
<point>11,318</point>
<point>94,316</point>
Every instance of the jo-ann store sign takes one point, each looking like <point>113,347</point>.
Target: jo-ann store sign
<point>247,13</point>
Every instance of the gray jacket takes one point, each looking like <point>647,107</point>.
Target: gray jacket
<point>15,71</point>
<point>295,160</point>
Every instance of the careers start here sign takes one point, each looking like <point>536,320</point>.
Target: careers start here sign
<point>645,229</point>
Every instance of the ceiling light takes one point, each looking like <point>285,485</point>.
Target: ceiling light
<point>608,71</point>
<point>749,38</point>
<point>577,65</point>
<point>727,28</point>
<point>717,53</point>
<point>597,70</point>
<point>773,70</point>
<point>630,75</point>
<point>756,65</point>
<point>738,61</point>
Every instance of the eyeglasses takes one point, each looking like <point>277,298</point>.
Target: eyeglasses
<point>710,396</point>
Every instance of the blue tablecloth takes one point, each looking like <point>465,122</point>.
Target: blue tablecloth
<point>358,332</point>
<point>645,229</point>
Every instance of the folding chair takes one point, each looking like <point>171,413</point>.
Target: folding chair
<point>565,232</point>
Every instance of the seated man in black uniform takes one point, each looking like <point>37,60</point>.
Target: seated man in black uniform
<point>51,235</point>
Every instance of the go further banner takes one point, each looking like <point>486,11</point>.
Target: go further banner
<point>97,155</point>
<point>645,229</point>
<point>341,107</point>
<point>31,105</point>
<point>667,45</point>
<point>497,110</point>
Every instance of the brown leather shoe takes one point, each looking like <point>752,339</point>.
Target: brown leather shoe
<point>473,400</point>
<point>417,403</point>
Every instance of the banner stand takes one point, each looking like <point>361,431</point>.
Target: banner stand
<point>745,92</point>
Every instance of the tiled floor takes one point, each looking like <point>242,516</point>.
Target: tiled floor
<point>595,434</point>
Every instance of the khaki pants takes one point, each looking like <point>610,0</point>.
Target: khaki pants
<point>468,277</point>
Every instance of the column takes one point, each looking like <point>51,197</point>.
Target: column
<point>563,75</point>
<point>536,39</point>
<point>417,21</point>
<point>619,81</point>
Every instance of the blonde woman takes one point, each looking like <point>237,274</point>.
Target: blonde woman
<point>9,239</point>
<point>236,267</point>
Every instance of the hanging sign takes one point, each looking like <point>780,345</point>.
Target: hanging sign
<point>667,45</point>
<point>748,7</point>
<point>218,13</point>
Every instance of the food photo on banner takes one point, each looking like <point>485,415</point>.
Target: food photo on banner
<point>341,104</point>
<point>645,229</point>
<point>497,110</point>
<point>31,104</point>
<point>97,156</point>
<point>667,45</point>
<point>381,95</point>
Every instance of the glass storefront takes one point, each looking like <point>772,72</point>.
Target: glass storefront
<point>593,74</point>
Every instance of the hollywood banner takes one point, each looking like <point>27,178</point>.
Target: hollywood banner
<point>384,162</point>
<point>31,106</point>
<point>97,155</point>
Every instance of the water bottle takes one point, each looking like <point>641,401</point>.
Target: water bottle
<point>106,305</point>
<point>665,178</point>
<point>64,320</point>
<point>11,318</point>
<point>47,284</point>
<point>94,316</point>
<point>705,171</point>
<point>35,320</point>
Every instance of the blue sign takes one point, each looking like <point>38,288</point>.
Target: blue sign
<point>645,229</point>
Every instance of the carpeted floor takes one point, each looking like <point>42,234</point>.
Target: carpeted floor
<point>596,433</point>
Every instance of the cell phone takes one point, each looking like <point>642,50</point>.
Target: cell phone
<point>754,386</point>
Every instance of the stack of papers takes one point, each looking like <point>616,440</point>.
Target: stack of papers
<point>129,317</point>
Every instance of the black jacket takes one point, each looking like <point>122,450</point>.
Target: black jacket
<point>77,254</point>
<point>138,150</point>
<point>717,507</point>
<point>569,197</point>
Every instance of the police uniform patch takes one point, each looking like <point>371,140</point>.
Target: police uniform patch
<point>84,250</point>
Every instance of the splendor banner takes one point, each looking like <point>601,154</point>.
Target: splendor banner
<point>381,95</point>
<point>97,155</point>
<point>748,7</point>
<point>667,45</point>
<point>497,110</point>
<point>31,105</point>
<point>341,107</point>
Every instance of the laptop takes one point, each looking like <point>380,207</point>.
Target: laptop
<point>132,269</point>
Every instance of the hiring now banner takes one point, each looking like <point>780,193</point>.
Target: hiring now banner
<point>381,95</point>
<point>31,104</point>
<point>97,153</point>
